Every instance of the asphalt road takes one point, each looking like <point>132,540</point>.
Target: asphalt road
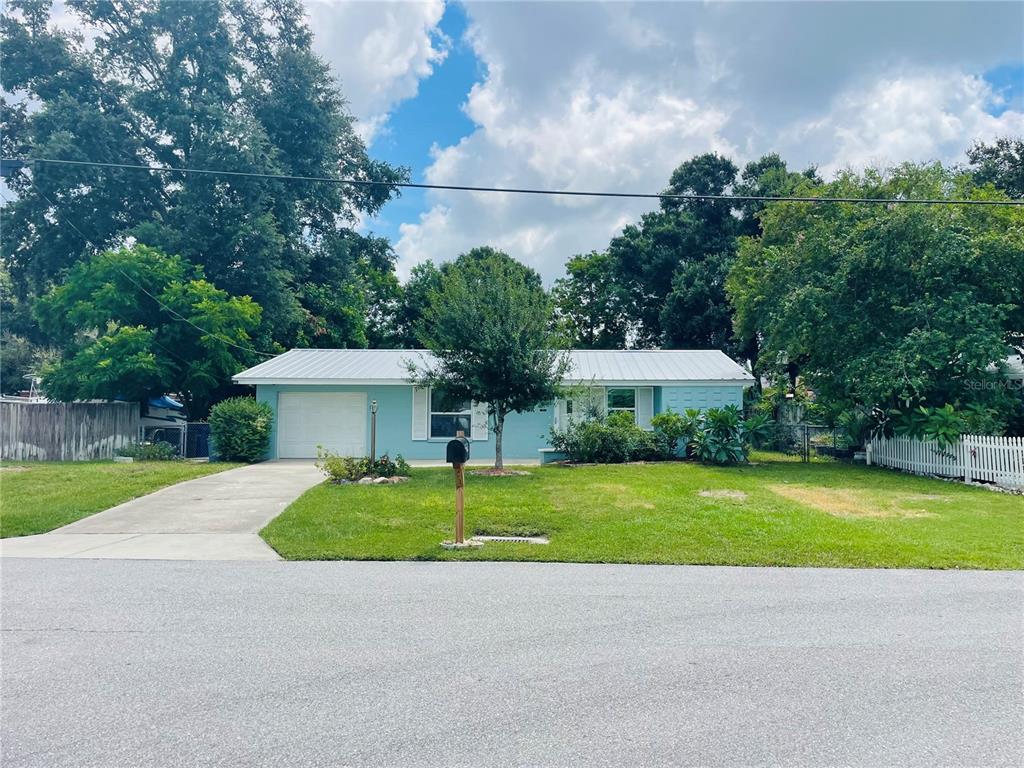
<point>151,663</point>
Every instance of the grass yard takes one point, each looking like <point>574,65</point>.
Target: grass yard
<point>775,512</point>
<point>36,497</point>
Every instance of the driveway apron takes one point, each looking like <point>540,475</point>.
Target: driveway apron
<point>216,517</point>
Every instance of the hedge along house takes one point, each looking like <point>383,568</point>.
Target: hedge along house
<point>323,397</point>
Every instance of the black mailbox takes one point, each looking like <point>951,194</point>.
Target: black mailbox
<point>458,451</point>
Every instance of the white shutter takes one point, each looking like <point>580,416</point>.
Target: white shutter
<point>479,421</point>
<point>420,413</point>
<point>644,407</point>
<point>599,399</point>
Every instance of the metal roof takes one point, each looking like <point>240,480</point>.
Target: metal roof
<point>388,366</point>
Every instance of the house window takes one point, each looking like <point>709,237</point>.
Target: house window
<point>449,414</point>
<point>622,400</point>
<point>568,407</point>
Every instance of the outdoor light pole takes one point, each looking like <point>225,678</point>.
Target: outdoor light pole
<point>373,430</point>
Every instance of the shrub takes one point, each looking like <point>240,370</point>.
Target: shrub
<point>724,437</point>
<point>383,467</point>
<point>614,440</point>
<point>161,450</point>
<point>758,430</point>
<point>677,428</point>
<point>352,468</point>
<point>240,429</point>
<point>403,466</point>
<point>339,468</point>
<point>718,435</point>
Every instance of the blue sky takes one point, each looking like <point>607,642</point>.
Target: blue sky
<point>607,96</point>
<point>433,116</point>
<point>1008,81</point>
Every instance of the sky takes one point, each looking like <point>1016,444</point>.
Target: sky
<point>613,96</point>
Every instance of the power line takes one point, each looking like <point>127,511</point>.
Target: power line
<point>13,162</point>
<point>137,284</point>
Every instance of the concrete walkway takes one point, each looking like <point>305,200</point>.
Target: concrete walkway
<point>216,517</point>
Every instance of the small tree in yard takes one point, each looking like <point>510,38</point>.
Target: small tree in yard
<point>489,327</point>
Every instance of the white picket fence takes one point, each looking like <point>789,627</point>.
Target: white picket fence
<point>998,460</point>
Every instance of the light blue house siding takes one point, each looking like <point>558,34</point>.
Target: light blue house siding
<point>525,433</point>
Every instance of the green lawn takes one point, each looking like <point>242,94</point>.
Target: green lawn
<point>775,512</point>
<point>36,497</point>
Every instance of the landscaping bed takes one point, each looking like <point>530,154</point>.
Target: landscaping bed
<point>36,497</point>
<point>771,512</point>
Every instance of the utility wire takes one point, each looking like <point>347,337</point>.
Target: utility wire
<point>516,190</point>
<point>137,284</point>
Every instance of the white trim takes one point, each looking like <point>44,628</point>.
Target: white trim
<point>424,393</point>
<point>644,407</point>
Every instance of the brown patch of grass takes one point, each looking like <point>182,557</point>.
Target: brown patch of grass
<point>723,494</point>
<point>847,502</point>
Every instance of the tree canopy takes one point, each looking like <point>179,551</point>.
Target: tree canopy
<point>231,86</point>
<point>136,323</point>
<point>662,281</point>
<point>887,306</point>
<point>489,327</point>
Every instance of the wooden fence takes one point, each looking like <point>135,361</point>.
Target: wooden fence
<point>998,460</point>
<point>66,431</point>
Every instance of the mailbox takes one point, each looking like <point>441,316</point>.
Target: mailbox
<point>458,451</point>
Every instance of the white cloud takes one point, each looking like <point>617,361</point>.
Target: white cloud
<point>614,96</point>
<point>595,141</point>
<point>923,117</point>
<point>380,52</point>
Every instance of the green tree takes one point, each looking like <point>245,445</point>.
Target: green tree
<point>675,261</point>
<point>1000,163</point>
<point>424,281</point>
<point>769,176</point>
<point>887,306</point>
<point>230,86</point>
<point>138,323</point>
<point>489,328</point>
<point>590,304</point>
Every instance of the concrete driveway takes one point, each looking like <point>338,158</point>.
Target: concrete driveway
<point>216,517</point>
<point>165,664</point>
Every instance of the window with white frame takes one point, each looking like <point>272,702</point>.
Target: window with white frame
<point>621,399</point>
<point>449,414</point>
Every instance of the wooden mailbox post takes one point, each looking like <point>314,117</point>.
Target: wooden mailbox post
<point>457,454</point>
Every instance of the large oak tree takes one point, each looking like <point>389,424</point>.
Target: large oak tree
<point>230,85</point>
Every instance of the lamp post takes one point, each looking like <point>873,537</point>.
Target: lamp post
<point>373,430</point>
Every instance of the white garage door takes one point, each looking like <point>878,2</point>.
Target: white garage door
<point>335,420</point>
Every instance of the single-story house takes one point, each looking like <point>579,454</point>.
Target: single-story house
<point>324,397</point>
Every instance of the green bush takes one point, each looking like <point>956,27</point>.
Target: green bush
<point>718,436</point>
<point>353,468</point>
<point>677,428</point>
<point>240,429</point>
<point>341,468</point>
<point>614,440</point>
<point>758,430</point>
<point>158,451</point>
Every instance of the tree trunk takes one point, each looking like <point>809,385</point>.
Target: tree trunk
<point>499,427</point>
